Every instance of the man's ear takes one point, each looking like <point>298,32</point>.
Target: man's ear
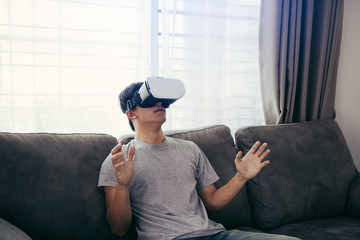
<point>130,114</point>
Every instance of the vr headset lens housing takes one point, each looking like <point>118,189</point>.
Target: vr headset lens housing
<point>151,102</point>
<point>154,90</point>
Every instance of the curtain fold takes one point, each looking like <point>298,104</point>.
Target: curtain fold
<point>299,47</point>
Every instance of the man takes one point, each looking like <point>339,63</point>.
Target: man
<point>167,183</point>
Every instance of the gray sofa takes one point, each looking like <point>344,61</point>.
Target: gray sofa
<point>310,190</point>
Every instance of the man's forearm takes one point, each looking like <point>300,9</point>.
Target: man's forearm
<point>247,167</point>
<point>224,195</point>
<point>119,213</point>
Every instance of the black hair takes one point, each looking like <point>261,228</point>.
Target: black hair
<point>126,95</point>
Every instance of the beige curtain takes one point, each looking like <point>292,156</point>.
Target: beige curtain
<point>299,46</point>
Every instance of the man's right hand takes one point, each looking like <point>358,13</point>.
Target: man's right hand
<point>123,168</point>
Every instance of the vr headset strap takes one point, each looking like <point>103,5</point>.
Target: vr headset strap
<point>136,99</point>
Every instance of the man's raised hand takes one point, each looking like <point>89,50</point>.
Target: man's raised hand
<point>123,168</point>
<point>252,163</point>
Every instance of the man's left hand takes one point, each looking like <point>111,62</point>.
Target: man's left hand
<point>252,163</point>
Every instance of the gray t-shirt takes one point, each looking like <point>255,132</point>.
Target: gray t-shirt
<point>163,189</point>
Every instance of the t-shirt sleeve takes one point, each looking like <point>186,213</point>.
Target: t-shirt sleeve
<point>205,173</point>
<point>107,176</point>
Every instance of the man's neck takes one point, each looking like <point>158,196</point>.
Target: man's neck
<point>150,135</point>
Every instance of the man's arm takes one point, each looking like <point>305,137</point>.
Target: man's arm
<point>247,168</point>
<point>118,207</point>
<point>117,199</point>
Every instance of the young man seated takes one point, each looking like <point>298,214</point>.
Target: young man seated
<point>168,183</point>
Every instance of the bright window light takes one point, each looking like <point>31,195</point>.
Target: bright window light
<point>64,62</point>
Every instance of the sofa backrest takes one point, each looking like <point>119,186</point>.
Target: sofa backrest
<point>309,175</point>
<point>49,184</point>
<point>218,145</point>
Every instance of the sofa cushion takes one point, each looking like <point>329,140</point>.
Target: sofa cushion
<point>309,175</point>
<point>334,228</point>
<point>219,147</point>
<point>49,184</point>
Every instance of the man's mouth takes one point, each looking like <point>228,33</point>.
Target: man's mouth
<point>160,110</point>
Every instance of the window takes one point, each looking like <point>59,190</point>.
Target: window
<point>63,63</point>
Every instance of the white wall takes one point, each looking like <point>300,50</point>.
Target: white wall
<point>347,101</point>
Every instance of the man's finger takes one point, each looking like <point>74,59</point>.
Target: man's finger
<point>239,156</point>
<point>264,163</point>
<point>131,153</point>
<point>118,157</point>
<point>264,154</point>
<point>117,148</point>
<point>262,149</point>
<point>118,165</point>
<point>255,147</point>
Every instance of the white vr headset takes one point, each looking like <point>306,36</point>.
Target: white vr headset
<point>155,90</point>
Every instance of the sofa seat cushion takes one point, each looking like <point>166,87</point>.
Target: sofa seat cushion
<point>309,175</point>
<point>335,228</point>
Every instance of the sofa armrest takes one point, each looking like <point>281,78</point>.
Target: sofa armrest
<point>10,232</point>
<point>353,209</point>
